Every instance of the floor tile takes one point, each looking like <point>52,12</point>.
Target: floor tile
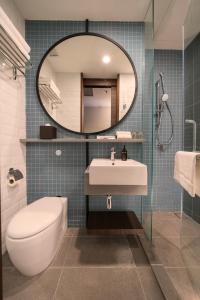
<point>166,225</point>
<point>139,255</point>
<point>71,231</point>
<point>59,259</point>
<point>40,287</point>
<point>190,247</point>
<point>98,251</point>
<point>149,283</point>
<point>182,283</point>
<point>6,262</point>
<point>165,283</point>
<point>194,274</point>
<point>99,284</point>
<point>168,251</point>
<point>189,227</point>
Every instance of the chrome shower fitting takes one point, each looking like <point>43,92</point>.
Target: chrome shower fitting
<point>109,202</point>
<point>162,104</point>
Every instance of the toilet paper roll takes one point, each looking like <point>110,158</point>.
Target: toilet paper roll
<point>11,181</point>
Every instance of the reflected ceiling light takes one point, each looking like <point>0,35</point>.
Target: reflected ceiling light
<point>2,66</point>
<point>106,59</point>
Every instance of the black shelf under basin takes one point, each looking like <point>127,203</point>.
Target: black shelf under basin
<point>114,221</point>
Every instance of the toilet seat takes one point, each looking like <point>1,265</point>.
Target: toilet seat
<point>35,218</point>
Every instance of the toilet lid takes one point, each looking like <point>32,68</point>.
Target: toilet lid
<point>35,217</point>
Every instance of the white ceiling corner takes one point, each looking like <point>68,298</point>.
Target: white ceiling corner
<point>169,14</point>
<point>94,10</point>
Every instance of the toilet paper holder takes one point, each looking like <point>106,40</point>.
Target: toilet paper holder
<point>16,174</point>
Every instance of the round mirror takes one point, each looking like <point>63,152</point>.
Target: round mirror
<point>86,83</point>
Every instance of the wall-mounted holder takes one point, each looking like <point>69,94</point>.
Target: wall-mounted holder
<point>13,176</point>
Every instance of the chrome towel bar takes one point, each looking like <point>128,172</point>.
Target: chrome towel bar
<point>11,55</point>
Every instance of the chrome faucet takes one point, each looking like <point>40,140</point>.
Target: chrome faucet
<point>112,154</point>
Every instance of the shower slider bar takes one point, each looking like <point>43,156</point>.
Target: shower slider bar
<point>11,55</point>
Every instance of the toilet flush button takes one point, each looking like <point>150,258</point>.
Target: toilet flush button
<point>58,152</point>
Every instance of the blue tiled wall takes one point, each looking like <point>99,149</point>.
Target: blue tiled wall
<point>191,206</point>
<point>167,194</point>
<point>51,175</point>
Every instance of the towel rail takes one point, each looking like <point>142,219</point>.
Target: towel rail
<point>12,56</point>
<point>47,91</point>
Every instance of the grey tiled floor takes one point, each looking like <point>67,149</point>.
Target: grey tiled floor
<point>176,242</point>
<point>88,268</point>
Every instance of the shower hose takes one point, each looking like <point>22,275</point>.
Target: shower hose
<point>162,144</point>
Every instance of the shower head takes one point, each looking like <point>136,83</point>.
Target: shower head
<point>165,97</point>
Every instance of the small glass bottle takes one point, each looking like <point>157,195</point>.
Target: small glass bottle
<point>124,155</point>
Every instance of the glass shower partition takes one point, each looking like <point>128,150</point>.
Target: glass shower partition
<point>148,116</point>
<point>190,230</point>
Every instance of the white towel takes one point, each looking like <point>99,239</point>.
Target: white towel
<point>14,34</point>
<point>123,134</point>
<point>197,183</point>
<point>186,171</point>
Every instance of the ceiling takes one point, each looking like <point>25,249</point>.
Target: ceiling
<point>169,19</point>
<point>169,14</point>
<point>100,10</point>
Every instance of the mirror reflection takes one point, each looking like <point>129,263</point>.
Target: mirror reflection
<point>86,83</point>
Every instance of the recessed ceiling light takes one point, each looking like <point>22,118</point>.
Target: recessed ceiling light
<point>106,59</point>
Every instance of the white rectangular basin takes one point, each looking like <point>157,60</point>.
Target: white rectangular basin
<point>129,172</point>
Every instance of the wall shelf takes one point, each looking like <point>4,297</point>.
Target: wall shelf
<point>114,222</point>
<point>80,140</point>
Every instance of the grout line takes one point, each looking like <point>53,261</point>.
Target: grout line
<point>186,267</point>
<point>96,267</point>
<point>61,273</point>
<point>180,236</point>
<point>96,236</point>
<point>141,285</point>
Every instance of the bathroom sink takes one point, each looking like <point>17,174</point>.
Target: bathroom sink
<point>107,172</point>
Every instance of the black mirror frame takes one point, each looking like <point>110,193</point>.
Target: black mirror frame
<point>90,34</point>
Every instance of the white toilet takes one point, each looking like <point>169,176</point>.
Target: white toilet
<point>35,233</point>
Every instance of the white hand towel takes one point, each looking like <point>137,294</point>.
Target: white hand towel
<point>197,183</point>
<point>185,170</point>
<point>14,34</point>
<point>123,134</point>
